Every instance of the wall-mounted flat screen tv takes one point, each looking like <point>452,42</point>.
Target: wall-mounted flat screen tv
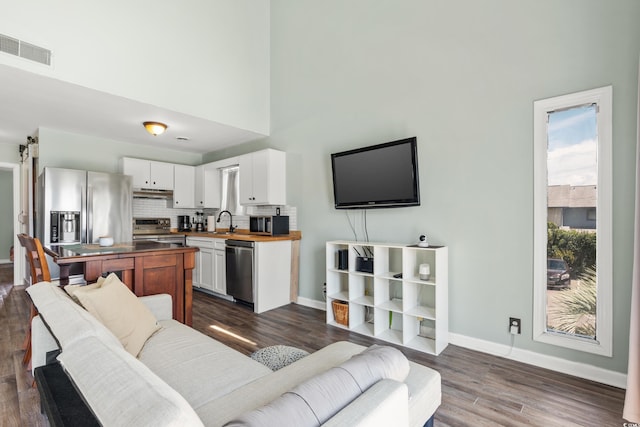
<point>378,176</point>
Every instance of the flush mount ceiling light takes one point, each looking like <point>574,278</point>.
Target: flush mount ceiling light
<point>155,128</point>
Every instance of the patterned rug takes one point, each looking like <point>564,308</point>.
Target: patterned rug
<point>6,273</point>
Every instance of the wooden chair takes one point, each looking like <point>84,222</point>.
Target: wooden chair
<point>39,273</point>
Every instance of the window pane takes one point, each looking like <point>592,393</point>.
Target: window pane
<point>572,195</point>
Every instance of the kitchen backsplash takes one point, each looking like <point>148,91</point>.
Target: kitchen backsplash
<point>155,208</point>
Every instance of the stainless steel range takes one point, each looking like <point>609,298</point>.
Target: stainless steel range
<point>156,230</point>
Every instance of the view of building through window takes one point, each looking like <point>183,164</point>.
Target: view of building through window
<point>572,194</point>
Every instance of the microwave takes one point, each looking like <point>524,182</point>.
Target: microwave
<point>269,225</point>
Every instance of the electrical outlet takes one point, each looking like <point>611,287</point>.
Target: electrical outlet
<point>515,326</point>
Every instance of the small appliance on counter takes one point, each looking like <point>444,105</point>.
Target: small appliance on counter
<point>198,222</point>
<point>269,225</point>
<point>184,223</point>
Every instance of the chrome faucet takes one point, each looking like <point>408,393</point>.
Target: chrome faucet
<point>231,228</point>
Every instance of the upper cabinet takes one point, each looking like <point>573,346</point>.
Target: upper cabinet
<point>183,184</point>
<point>149,173</point>
<point>207,186</point>
<point>263,178</point>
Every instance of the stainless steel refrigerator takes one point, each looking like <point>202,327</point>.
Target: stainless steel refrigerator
<point>77,206</point>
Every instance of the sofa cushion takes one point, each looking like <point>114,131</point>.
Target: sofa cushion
<point>120,390</point>
<point>119,310</point>
<point>316,400</point>
<point>423,384</point>
<point>67,321</point>
<point>267,388</point>
<point>376,363</point>
<point>384,404</point>
<point>184,358</point>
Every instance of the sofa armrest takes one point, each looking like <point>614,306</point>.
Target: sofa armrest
<point>385,403</point>
<point>60,400</point>
<point>42,342</point>
<point>160,305</point>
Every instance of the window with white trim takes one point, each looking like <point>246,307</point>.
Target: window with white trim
<point>573,271</point>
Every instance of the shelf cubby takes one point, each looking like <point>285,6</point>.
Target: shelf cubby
<point>394,290</point>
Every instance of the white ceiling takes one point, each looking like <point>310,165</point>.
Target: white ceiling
<point>29,101</point>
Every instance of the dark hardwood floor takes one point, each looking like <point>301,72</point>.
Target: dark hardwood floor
<point>477,389</point>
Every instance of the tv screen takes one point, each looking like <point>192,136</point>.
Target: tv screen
<point>378,176</point>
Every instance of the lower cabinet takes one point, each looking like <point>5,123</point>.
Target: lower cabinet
<point>209,272</point>
<point>272,275</point>
<point>219,267</point>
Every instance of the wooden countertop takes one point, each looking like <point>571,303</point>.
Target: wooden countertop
<point>242,234</point>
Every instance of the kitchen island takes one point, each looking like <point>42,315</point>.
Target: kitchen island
<point>146,267</point>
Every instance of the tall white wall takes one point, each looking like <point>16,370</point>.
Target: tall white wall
<point>206,58</point>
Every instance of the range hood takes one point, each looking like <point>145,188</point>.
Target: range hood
<point>150,193</point>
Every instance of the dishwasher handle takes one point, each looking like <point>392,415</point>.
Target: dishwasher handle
<point>239,243</point>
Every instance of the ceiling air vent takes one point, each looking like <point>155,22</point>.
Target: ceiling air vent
<point>24,50</point>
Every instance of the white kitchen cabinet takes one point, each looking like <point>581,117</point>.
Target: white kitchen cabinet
<point>206,267</point>
<point>219,274</point>
<point>149,173</point>
<point>183,184</point>
<point>272,275</point>
<point>209,272</point>
<point>263,178</point>
<point>203,272</point>
<point>392,303</point>
<point>207,186</point>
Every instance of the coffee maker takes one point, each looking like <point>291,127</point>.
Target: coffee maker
<point>199,221</point>
<point>184,223</point>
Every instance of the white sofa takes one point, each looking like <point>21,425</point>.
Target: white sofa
<point>183,377</point>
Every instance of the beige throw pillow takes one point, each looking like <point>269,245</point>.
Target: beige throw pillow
<point>72,289</point>
<point>121,312</point>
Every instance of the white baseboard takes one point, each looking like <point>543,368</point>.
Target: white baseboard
<point>5,261</point>
<point>581,370</point>
<point>313,303</point>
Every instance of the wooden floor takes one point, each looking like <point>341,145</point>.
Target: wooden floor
<point>477,389</point>
<point>6,273</point>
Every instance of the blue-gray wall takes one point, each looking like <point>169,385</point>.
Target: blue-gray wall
<point>6,213</point>
<point>461,75</point>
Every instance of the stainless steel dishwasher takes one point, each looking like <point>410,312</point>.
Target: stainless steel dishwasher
<point>239,269</point>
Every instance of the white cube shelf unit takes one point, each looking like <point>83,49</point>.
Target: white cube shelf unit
<point>392,303</point>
